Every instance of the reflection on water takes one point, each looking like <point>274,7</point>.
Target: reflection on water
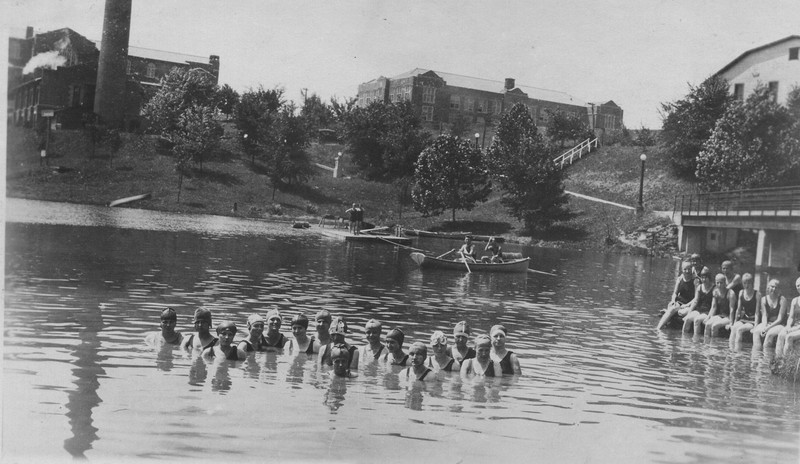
<point>596,374</point>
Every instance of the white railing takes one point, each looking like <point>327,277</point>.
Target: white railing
<point>577,152</point>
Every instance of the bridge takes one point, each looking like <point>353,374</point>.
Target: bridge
<point>766,219</point>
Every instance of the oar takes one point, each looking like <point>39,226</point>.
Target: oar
<point>445,254</point>
<point>465,262</point>
<point>542,272</point>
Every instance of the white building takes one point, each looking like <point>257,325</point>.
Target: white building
<point>775,64</point>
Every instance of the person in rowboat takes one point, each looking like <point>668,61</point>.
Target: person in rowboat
<point>203,338</point>
<point>747,309</point>
<point>418,353</point>
<point>374,349</point>
<point>441,359</point>
<point>168,335</point>
<point>681,296</point>
<point>722,306</point>
<point>788,337</point>
<point>255,340</point>
<point>395,355</point>
<point>701,303</point>
<point>460,351</point>
<point>274,338</point>
<point>496,251</point>
<point>482,364</point>
<point>467,251</point>
<point>772,317</point>
<point>225,349</point>
<point>301,343</point>
<point>508,361</point>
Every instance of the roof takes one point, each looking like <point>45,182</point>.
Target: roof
<point>756,50</point>
<point>161,55</point>
<point>488,85</point>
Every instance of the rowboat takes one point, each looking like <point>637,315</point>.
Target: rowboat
<point>517,265</point>
<point>122,201</point>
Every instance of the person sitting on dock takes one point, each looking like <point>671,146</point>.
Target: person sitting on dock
<point>274,338</point>
<point>418,370</point>
<point>255,340</point>
<point>395,355</point>
<point>701,303</point>
<point>225,349</point>
<point>506,359</point>
<point>301,343</point>
<point>788,337</point>
<point>467,250</point>
<point>374,349</point>
<point>441,360</point>
<point>482,364</point>
<point>733,281</point>
<point>681,296</point>
<point>493,246</point>
<point>168,335</point>
<point>747,308</point>
<point>697,266</point>
<point>721,307</point>
<point>772,317</point>
<point>460,351</point>
<point>202,324</point>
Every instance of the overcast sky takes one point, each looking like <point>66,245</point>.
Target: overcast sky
<point>638,53</point>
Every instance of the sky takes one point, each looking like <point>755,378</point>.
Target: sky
<point>638,53</point>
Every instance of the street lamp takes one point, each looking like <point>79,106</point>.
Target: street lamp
<point>640,208</point>
<point>477,136</point>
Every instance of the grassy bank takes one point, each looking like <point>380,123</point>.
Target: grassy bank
<point>76,174</point>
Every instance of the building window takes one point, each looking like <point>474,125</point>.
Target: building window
<point>407,93</point>
<point>428,94</point>
<point>497,107</point>
<point>151,70</point>
<point>738,91</point>
<point>793,52</point>
<point>427,113</point>
<point>469,104</point>
<point>128,67</point>
<point>481,106</point>
<point>455,102</point>
<point>773,90</point>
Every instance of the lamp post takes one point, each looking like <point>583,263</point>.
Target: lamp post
<point>640,207</point>
<point>477,136</point>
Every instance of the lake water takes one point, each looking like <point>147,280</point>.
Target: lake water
<point>85,284</point>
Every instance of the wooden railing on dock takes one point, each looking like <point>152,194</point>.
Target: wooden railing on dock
<point>776,201</point>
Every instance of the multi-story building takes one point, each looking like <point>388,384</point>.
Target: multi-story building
<point>57,70</point>
<point>443,100</point>
<point>776,65</point>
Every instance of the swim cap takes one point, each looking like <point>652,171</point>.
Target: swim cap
<point>498,327</point>
<point>419,346</point>
<point>202,314</point>
<point>324,315</point>
<point>274,313</point>
<point>372,323</point>
<point>482,340</point>
<point>396,335</point>
<point>300,320</point>
<point>462,328</point>
<point>338,326</point>
<point>169,314</point>
<point>253,319</point>
<point>339,351</point>
<point>438,338</point>
<point>705,272</point>
<point>694,256</point>
<point>226,326</point>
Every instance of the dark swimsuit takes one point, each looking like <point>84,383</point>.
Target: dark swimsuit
<point>456,355</point>
<point>250,348</point>
<point>447,367</point>
<point>489,372</point>
<point>505,364</point>
<point>310,349</point>
<point>725,310</point>
<point>231,355</point>
<point>749,307</point>
<point>278,344</point>
<point>772,313</point>
<point>402,362</point>
<point>704,301</point>
<point>685,291</point>
<point>421,377</point>
<point>190,342</point>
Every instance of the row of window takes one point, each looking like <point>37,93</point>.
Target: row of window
<point>475,105</point>
<point>151,69</point>
<point>738,91</point>
<point>27,97</point>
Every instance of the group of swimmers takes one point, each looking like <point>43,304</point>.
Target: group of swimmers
<point>488,358</point>
<point>714,304</point>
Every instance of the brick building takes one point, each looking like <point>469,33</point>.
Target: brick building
<point>61,75</point>
<point>444,99</point>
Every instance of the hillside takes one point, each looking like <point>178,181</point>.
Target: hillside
<point>74,175</point>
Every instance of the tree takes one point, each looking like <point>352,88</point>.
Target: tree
<point>533,186</point>
<point>645,138</point>
<point>688,123</point>
<point>180,89</point>
<point>254,116</point>
<point>460,125</point>
<point>226,100</point>
<point>316,114</point>
<point>196,136</point>
<point>753,145</point>
<point>562,126</point>
<point>288,161</point>
<point>450,174</point>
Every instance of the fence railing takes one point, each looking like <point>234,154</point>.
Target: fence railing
<point>777,201</point>
<point>576,152</point>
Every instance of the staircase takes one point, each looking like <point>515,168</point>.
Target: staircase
<point>577,152</point>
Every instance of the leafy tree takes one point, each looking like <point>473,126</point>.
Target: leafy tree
<point>533,186</point>
<point>645,138</point>
<point>198,135</point>
<point>753,145</point>
<point>688,123</point>
<point>254,115</point>
<point>460,125</point>
<point>180,89</point>
<point>316,114</point>
<point>226,100</point>
<point>450,174</point>
<point>288,161</point>
<point>384,140</point>
<point>562,126</point>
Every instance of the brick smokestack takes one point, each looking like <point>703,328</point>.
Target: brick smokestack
<point>510,84</point>
<point>109,96</point>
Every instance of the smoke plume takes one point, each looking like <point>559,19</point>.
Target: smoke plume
<point>49,60</point>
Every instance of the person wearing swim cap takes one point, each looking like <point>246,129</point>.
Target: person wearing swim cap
<point>508,361</point>
<point>418,354</point>
<point>788,336</point>
<point>337,332</point>
<point>323,320</point>
<point>697,267</point>
<point>225,349</point>
<point>440,360</point>
<point>481,365</point>
<point>274,338</point>
<point>202,325</point>
<point>168,335</point>
<point>373,350</point>
<point>255,340</point>
<point>460,351</point>
<point>395,355</point>
<point>301,342</point>
<point>340,359</point>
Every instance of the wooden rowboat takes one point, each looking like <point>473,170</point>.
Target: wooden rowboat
<point>517,265</point>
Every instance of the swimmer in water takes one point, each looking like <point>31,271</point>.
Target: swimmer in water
<point>337,331</point>
<point>274,338</point>
<point>301,343</point>
<point>225,349</point>
<point>323,320</point>
<point>255,341</point>
<point>481,365</point>
<point>460,351</point>
<point>168,335</point>
<point>340,358</point>
<point>373,349</point>
<point>508,361</point>
<point>418,354</point>
<point>441,360</point>
<point>395,355</point>
<point>203,338</point>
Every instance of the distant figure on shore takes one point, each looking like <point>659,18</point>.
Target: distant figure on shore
<point>359,218</point>
<point>203,338</point>
<point>168,335</point>
<point>353,214</point>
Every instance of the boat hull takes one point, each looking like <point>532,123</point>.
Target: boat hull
<point>428,262</point>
